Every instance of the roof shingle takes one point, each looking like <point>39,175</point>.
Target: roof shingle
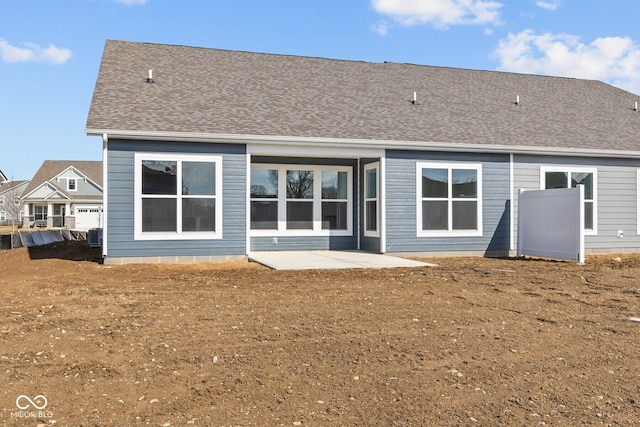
<point>50,168</point>
<point>210,91</point>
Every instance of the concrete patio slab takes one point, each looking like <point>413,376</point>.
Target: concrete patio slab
<point>330,260</point>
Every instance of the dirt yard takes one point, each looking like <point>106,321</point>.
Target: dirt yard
<point>471,342</point>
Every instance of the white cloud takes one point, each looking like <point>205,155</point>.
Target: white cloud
<point>441,13</point>
<point>548,4</point>
<point>615,60</point>
<point>33,53</point>
<point>131,2</point>
<point>381,27</point>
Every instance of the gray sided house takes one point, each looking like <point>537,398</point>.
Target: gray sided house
<point>10,203</point>
<point>212,154</point>
<point>65,194</point>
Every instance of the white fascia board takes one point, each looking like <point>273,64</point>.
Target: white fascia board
<point>92,202</point>
<point>317,150</point>
<point>62,196</point>
<point>271,140</point>
<point>54,190</point>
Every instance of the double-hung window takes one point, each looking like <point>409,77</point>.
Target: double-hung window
<point>71,184</point>
<point>335,200</point>
<point>40,212</point>
<point>178,196</point>
<point>561,177</point>
<point>264,199</point>
<point>371,195</point>
<point>301,200</point>
<point>449,201</point>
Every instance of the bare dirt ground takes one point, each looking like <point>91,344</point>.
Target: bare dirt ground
<point>474,341</point>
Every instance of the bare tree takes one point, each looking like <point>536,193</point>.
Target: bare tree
<point>13,205</point>
<point>299,184</point>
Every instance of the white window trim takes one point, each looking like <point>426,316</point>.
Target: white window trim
<point>164,235</point>
<point>449,233</point>
<point>368,167</point>
<point>571,169</point>
<point>75,180</point>
<point>317,201</point>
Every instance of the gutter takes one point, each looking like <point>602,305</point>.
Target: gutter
<point>358,143</point>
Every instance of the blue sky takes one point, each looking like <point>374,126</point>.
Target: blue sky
<point>50,50</point>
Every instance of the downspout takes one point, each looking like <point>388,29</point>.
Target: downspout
<point>358,206</point>
<point>105,186</point>
<point>512,244</point>
<point>247,221</point>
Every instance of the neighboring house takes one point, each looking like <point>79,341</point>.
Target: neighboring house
<point>212,153</point>
<point>10,203</point>
<point>65,194</point>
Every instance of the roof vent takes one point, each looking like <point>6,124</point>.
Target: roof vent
<point>414,101</point>
<point>635,107</point>
<point>150,78</point>
<point>517,100</point>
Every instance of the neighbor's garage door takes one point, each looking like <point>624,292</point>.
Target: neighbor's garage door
<point>88,217</point>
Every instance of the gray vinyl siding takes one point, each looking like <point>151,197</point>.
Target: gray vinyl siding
<point>84,189</point>
<point>303,243</point>
<point>120,203</point>
<point>401,205</point>
<point>616,198</point>
<point>290,243</point>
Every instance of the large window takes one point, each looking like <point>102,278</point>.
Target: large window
<point>40,212</point>
<point>335,200</point>
<point>177,196</point>
<point>301,200</point>
<point>371,194</point>
<point>558,177</point>
<point>264,199</point>
<point>449,199</point>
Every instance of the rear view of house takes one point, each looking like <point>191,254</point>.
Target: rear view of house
<point>212,154</point>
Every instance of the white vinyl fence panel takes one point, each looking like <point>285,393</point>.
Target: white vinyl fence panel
<point>551,223</point>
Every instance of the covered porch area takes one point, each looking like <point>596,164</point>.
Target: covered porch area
<point>310,198</point>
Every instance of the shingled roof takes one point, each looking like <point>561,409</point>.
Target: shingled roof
<point>51,168</point>
<point>209,92</point>
<point>8,185</point>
